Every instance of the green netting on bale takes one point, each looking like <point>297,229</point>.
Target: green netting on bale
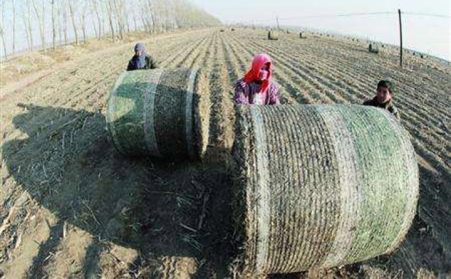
<point>159,113</point>
<point>321,186</point>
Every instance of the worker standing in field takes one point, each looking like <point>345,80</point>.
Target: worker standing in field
<point>384,98</point>
<point>257,87</point>
<point>141,60</point>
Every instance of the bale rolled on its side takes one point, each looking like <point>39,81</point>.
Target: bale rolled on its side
<point>320,186</point>
<point>273,35</point>
<point>302,35</point>
<point>373,48</point>
<point>159,113</point>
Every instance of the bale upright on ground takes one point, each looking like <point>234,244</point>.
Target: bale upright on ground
<point>320,186</point>
<point>373,48</point>
<point>302,35</point>
<point>159,113</point>
<point>273,35</point>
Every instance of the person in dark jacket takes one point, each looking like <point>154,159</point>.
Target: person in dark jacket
<point>384,98</point>
<point>141,60</point>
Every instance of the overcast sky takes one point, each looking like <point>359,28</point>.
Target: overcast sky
<point>423,33</point>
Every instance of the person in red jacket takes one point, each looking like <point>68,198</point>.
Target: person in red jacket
<point>256,87</point>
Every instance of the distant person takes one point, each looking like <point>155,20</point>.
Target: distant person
<point>256,87</point>
<point>384,98</point>
<point>141,60</point>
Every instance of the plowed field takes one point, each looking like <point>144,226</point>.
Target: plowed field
<point>72,207</point>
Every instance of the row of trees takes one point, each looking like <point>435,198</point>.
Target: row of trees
<point>58,22</point>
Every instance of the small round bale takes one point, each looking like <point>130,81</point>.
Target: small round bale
<point>373,48</point>
<point>159,113</point>
<point>320,186</point>
<point>273,35</point>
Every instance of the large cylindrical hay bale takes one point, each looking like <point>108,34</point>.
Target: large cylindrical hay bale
<point>273,35</point>
<point>320,186</point>
<point>159,113</point>
<point>373,48</point>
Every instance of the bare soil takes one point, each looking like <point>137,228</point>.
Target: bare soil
<point>72,207</point>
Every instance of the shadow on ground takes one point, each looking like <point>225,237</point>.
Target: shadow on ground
<point>161,209</point>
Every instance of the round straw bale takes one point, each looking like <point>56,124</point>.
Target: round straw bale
<point>373,48</point>
<point>273,35</point>
<point>159,113</point>
<point>302,35</point>
<point>320,186</point>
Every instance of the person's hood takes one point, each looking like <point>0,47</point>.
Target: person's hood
<point>140,47</point>
<point>253,74</point>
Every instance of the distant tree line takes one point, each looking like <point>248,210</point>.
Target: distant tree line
<point>65,21</point>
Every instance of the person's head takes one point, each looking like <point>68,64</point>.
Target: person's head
<point>140,49</point>
<point>262,67</point>
<point>384,91</point>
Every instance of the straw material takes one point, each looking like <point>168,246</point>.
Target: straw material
<point>320,186</point>
<point>159,113</point>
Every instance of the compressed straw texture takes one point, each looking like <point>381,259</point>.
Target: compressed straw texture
<point>320,186</point>
<point>159,113</point>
